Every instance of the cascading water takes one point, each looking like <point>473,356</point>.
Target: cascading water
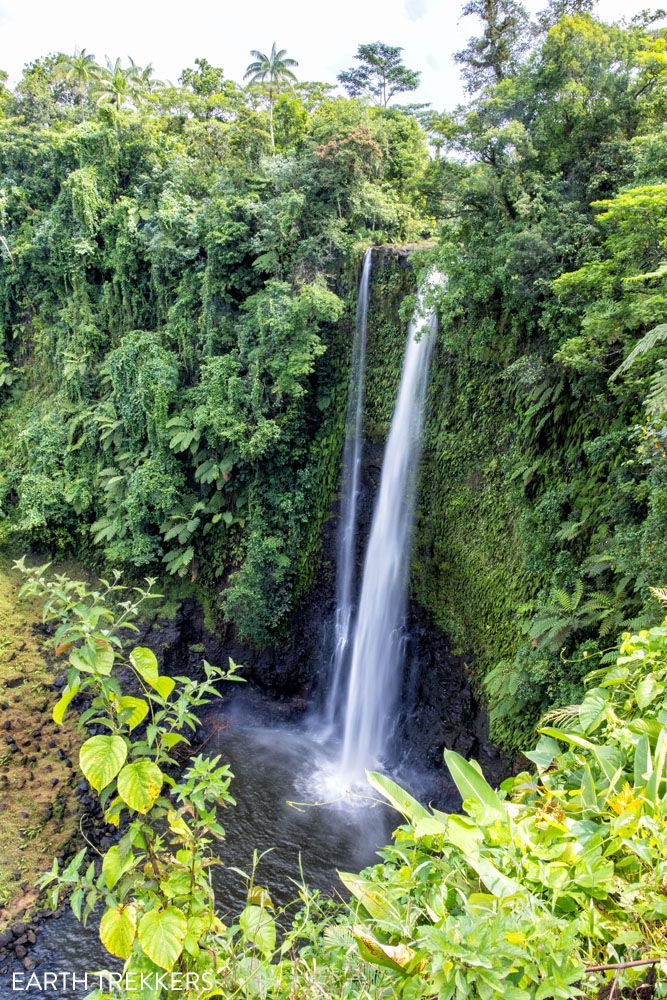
<point>347,524</point>
<point>375,667</point>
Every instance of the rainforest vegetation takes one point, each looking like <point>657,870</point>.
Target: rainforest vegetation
<point>177,294</point>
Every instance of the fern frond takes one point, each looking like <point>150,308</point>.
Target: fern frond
<point>563,598</point>
<point>645,344</point>
<point>563,715</point>
<point>660,594</point>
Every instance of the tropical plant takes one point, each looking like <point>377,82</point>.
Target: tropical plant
<point>154,883</point>
<point>81,73</point>
<point>120,85</point>
<point>494,55</point>
<point>271,73</point>
<point>552,886</point>
<point>565,614</point>
<point>381,75</point>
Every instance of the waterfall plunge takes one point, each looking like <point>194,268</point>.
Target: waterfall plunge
<point>347,524</point>
<point>375,668</point>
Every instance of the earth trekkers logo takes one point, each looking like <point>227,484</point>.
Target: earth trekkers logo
<point>59,982</point>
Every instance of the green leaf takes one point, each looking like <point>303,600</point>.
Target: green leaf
<point>464,834</point>
<point>571,738</point>
<point>545,751</point>
<point>659,767</point>
<point>384,955</point>
<point>96,656</point>
<point>161,935</point>
<point>588,791</point>
<point>471,784</point>
<point>170,740</point>
<point>647,691</point>
<point>430,826</point>
<point>643,766</point>
<point>63,703</point>
<point>399,799</point>
<point>494,880</point>
<point>101,758</point>
<point>164,686</point>
<point>133,711</point>
<point>139,785</point>
<point>259,927</point>
<point>368,893</point>
<point>144,662</point>
<point>118,928</point>
<point>592,710</point>
<point>115,864</point>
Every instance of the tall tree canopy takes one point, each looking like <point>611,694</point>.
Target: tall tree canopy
<point>381,74</point>
<point>271,72</point>
<point>493,55</point>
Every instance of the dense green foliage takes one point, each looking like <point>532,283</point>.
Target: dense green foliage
<point>526,894</point>
<point>154,883</point>
<point>175,306</point>
<point>177,293</point>
<point>562,871</point>
<point>544,511</point>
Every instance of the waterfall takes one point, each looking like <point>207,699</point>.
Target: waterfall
<point>375,666</point>
<point>347,522</point>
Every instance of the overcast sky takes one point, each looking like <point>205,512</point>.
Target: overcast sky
<point>322,35</point>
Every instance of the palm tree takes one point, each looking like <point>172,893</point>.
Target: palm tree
<point>118,84</point>
<point>270,73</point>
<point>145,78</point>
<point>81,72</point>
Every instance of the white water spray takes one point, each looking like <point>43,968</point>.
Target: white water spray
<point>375,671</point>
<point>347,524</point>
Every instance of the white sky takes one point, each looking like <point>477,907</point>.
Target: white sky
<point>322,34</point>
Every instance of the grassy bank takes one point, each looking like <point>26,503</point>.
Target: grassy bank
<point>37,782</point>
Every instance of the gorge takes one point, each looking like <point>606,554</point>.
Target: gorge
<point>438,566</point>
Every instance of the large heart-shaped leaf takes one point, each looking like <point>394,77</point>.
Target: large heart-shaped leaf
<point>161,935</point>
<point>259,927</point>
<point>101,758</point>
<point>647,691</point>
<point>139,784</point>
<point>118,928</point>
<point>592,710</point>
